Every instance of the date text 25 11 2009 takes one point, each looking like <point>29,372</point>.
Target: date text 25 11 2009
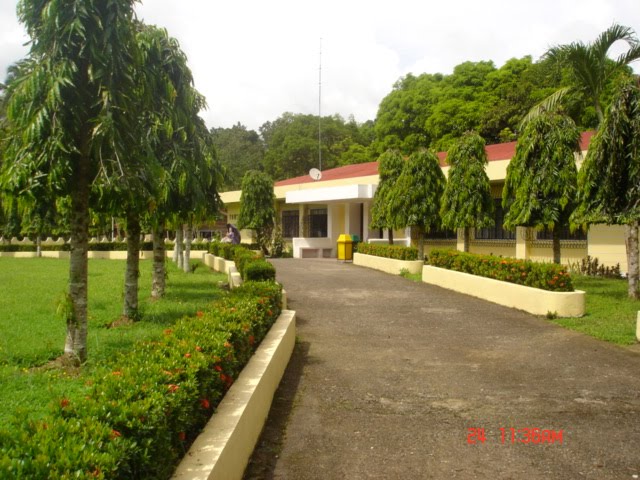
<point>532,436</point>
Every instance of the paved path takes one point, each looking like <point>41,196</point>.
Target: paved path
<point>389,375</point>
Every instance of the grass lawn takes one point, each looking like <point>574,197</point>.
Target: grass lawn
<point>32,333</point>
<point>610,316</point>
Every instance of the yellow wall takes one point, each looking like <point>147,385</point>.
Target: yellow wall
<point>606,243</point>
<point>570,252</point>
<point>506,249</point>
<point>433,244</point>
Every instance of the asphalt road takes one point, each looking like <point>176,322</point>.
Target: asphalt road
<point>393,379</point>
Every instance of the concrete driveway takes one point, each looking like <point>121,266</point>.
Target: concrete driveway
<point>397,380</point>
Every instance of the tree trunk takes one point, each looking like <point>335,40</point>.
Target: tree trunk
<point>420,243</point>
<point>175,248</point>
<point>132,272</point>
<point>39,245</point>
<point>187,249</point>
<point>159,273</point>
<point>179,242</point>
<point>390,236</point>
<point>466,238</point>
<point>555,235</point>
<point>76,310</point>
<point>631,241</point>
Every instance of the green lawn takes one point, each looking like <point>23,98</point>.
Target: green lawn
<point>32,333</point>
<point>610,316</point>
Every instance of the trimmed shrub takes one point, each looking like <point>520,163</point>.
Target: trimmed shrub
<point>397,252</point>
<point>242,257</point>
<point>93,247</point>
<point>142,410</point>
<point>545,276</point>
<point>259,270</point>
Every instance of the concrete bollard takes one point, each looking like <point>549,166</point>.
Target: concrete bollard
<point>638,327</point>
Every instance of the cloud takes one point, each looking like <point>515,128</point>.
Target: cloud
<point>254,60</point>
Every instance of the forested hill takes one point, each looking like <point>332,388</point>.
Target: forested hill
<point>427,110</point>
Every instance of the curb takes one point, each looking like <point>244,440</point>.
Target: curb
<point>223,449</point>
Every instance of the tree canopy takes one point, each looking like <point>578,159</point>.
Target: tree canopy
<point>467,200</point>
<point>291,144</point>
<point>415,198</point>
<point>540,186</point>
<point>257,206</point>
<point>609,180</point>
<point>239,150</point>
<point>432,110</point>
<point>390,165</point>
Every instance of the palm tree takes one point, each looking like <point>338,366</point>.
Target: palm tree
<point>590,67</point>
<point>70,119</point>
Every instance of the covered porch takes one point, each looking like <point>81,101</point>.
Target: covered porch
<point>323,214</point>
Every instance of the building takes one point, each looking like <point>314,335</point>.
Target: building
<point>312,215</point>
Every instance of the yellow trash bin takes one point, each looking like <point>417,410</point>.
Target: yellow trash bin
<point>345,247</point>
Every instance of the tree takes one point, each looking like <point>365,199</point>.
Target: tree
<point>239,150</point>
<point>390,166</point>
<point>291,143</point>
<point>540,186</point>
<point>609,180</point>
<point>467,201</point>
<point>590,68</point>
<point>257,207</point>
<point>415,199</point>
<point>432,111</point>
<point>69,117</point>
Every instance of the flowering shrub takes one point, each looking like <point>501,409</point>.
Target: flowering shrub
<point>141,411</point>
<point>546,276</point>
<point>397,252</point>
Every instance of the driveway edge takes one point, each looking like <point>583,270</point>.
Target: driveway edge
<point>224,447</point>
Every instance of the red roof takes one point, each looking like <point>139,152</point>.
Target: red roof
<point>500,151</point>
<point>350,171</point>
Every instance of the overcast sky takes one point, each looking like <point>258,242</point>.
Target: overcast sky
<point>255,59</point>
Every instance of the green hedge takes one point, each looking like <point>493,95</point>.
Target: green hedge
<point>397,252</point>
<point>546,276</point>
<point>259,270</point>
<point>93,247</point>
<point>250,263</point>
<point>142,410</point>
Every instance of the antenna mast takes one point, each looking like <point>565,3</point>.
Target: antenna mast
<point>320,109</point>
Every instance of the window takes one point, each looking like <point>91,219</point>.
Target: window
<point>497,232</point>
<point>441,234</point>
<point>316,223</point>
<point>565,234</point>
<point>290,223</point>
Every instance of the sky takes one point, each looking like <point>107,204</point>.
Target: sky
<point>256,59</point>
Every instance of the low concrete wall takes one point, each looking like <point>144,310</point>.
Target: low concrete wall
<point>532,300</point>
<point>97,254</point>
<point>388,265</point>
<point>223,449</point>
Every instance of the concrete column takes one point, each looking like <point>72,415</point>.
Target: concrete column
<point>460,240</point>
<point>524,237</point>
<point>347,218</point>
<point>301,220</point>
<point>365,222</point>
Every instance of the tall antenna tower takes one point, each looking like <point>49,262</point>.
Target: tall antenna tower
<point>320,109</point>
